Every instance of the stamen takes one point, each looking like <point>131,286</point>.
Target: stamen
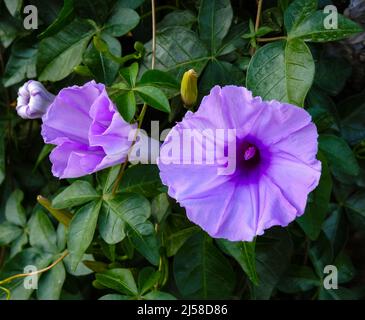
<point>249,153</point>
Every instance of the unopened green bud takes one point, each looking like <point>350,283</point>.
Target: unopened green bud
<point>189,88</point>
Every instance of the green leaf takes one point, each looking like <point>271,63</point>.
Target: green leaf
<point>143,179</point>
<point>153,97</point>
<point>201,271</point>
<point>133,4</point>
<point>10,28</point>
<point>339,294</point>
<point>106,178</point>
<point>214,19</point>
<point>2,153</point>
<point>14,211</point>
<point>352,110</point>
<point>42,234</point>
<point>100,64</point>
<point>283,71</point>
<point>234,39</point>
<point>177,231</point>
<point>159,78</point>
<point>21,64</point>
<point>178,49</point>
<point>120,280</point>
<point>338,154</point>
<point>8,233</point>
<point>97,10</point>
<point>297,279</point>
<point>147,245</point>
<point>313,28</point>
<point>356,202</point>
<point>273,253</point>
<point>317,206</point>
<point>298,11</point>
<point>133,210</point>
<point>332,80</point>
<point>13,6</point>
<point>346,270</point>
<point>15,265</point>
<point>114,296</point>
<point>46,150</point>
<point>130,74</point>
<point>78,193</point>
<point>126,104</point>
<point>147,279</point>
<point>182,18</point>
<point>60,53</point>
<point>321,254</point>
<point>219,73</point>
<point>159,295</point>
<point>18,244</point>
<point>81,231</point>
<point>336,229</point>
<point>51,283</point>
<point>244,253</point>
<point>122,21</point>
<point>111,227</point>
<point>65,16</point>
<point>160,207</point>
<point>82,269</point>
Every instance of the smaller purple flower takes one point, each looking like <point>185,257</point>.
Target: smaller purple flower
<point>87,130</point>
<point>33,100</point>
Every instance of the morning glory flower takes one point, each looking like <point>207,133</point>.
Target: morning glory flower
<point>87,130</point>
<point>273,151</point>
<point>33,100</point>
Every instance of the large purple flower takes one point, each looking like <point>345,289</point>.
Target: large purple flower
<point>275,164</point>
<point>89,133</point>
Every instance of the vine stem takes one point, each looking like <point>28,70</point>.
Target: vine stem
<point>271,39</point>
<point>144,108</point>
<point>258,15</point>
<point>22,275</point>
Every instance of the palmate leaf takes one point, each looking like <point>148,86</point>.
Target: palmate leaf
<point>214,20</point>
<point>22,62</point>
<point>317,206</point>
<point>282,70</point>
<point>76,194</point>
<point>338,154</point>
<point>42,234</point>
<point>273,253</point>
<point>81,231</point>
<point>14,211</point>
<point>60,53</point>
<point>126,212</point>
<point>297,279</point>
<point>201,271</point>
<point>51,283</point>
<point>313,29</point>
<point>244,253</point>
<point>102,67</point>
<point>120,280</point>
<point>9,232</point>
<point>178,49</point>
<point>27,257</point>
<point>298,11</point>
<point>142,179</point>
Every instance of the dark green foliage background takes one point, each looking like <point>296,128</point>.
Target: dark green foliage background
<point>139,244</point>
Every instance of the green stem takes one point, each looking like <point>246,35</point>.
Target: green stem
<point>144,108</point>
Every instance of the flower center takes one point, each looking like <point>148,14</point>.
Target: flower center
<point>250,152</point>
<point>248,156</point>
